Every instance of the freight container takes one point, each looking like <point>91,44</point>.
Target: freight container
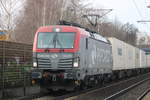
<point>130,56</point>
<point>118,53</point>
<point>137,57</point>
<point>142,59</point>
<point>148,60</point>
<point>123,55</point>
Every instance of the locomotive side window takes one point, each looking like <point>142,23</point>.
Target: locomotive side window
<point>86,43</point>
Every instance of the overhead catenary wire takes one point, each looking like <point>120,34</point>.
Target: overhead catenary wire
<point>139,12</point>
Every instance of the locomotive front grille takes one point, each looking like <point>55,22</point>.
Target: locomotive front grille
<point>65,63</point>
<point>44,62</point>
<point>55,60</point>
<point>62,63</point>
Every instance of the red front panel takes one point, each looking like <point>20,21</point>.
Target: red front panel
<point>62,29</point>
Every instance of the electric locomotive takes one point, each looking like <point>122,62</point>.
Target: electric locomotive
<point>68,56</point>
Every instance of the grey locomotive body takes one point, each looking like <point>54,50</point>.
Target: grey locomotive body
<point>85,64</point>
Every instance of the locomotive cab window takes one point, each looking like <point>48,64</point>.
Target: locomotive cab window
<point>56,40</point>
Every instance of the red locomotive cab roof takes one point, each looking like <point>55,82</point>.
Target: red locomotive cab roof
<point>78,33</point>
<point>62,27</point>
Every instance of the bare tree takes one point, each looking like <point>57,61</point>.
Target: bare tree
<point>131,33</point>
<point>125,32</point>
<point>46,12</point>
<point>8,12</point>
<point>37,13</point>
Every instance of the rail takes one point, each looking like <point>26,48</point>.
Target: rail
<point>107,91</point>
<point>86,93</point>
<point>118,94</point>
<point>144,94</point>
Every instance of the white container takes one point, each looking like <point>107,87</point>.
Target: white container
<point>123,55</point>
<point>137,57</point>
<point>148,60</point>
<point>118,53</point>
<point>142,59</point>
<point>130,56</point>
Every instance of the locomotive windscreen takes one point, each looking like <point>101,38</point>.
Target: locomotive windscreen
<point>56,40</point>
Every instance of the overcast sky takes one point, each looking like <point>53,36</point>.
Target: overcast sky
<point>127,11</point>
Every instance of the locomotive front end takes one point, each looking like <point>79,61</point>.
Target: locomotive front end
<point>55,57</point>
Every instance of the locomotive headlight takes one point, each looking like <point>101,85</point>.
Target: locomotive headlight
<point>56,29</point>
<point>34,64</point>
<point>76,62</point>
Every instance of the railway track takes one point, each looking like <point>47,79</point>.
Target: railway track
<point>124,91</point>
<point>109,91</point>
<point>31,97</point>
<point>144,94</point>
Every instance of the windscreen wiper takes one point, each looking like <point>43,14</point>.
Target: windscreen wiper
<point>53,41</point>
<point>61,47</point>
